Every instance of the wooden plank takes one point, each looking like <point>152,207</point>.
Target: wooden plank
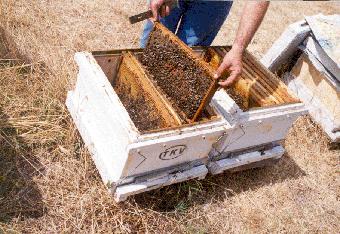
<point>226,107</point>
<point>265,77</point>
<point>251,71</point>
<point>206,100</point>
<point>242,87</point>
<point>266,98</point>
<point>220,166</point>
<point>142,111</point>
<point>270,90</point>
<point>214,57</point>
<point>121,193</point>
<point>268,79</point>
<point>256,84</point>
<point>109,65</point>
<point>275,92</point>
<point>255,88</point>
<point>272,80</point>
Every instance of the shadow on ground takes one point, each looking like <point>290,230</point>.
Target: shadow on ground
<point>183,195</point>
<point>19,195</point>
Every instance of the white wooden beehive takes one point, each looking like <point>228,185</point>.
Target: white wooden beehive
<point>131,161</point>
<point>313,71</point>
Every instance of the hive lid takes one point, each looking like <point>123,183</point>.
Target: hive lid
<point>326,31</point>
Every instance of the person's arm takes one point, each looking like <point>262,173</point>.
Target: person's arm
<point>252,16</point>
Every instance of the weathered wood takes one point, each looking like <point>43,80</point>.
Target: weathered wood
<point>264,77</point>
<point>241,87</point>
<point>227,164</point>
<point>263,94</point>
<point>332,74</point>
<point>255,84</point>
<point>285,46</point>
<point>271,81</point>
<point>314,85</point>
<point>121,193</point>
<point>319,87</point>
<point>325,45</point>
<point>268,78</point>
<point>315,108</point>
<point>110,65</point>
<point>267,91</point>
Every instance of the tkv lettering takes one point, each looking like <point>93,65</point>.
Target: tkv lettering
<point>172,152</point>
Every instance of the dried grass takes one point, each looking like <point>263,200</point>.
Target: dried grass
<point>48,182</point>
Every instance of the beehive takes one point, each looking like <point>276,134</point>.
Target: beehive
<point>305,56</point>
<point>147,119</point>
<point>132,159</point>
<point>260,107</point>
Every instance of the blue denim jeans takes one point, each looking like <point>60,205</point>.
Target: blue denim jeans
<point>198,21</point>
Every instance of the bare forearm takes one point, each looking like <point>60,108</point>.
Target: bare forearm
<point>251,19</point>
<point>252,16</point>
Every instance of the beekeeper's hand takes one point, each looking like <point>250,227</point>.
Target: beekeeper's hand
<point>160,8</point>
<point>232,65</point>
<point>252,16</point>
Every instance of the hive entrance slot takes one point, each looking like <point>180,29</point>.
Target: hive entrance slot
<point>256,86</point>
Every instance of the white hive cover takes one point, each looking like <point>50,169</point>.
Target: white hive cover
<point>326,30</point>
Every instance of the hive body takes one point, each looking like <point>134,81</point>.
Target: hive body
<point>131,159</point>
<point>313,71</point>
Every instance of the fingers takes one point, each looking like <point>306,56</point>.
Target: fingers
<point>167,11</point>
<point>234,75</point>
<point>232,62</point>
<point>154,6</point>
<point>164,10</point>
<point>159,9</point>
<point>221,69</point>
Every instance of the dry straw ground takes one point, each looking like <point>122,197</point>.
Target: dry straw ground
<point>48,182</point>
